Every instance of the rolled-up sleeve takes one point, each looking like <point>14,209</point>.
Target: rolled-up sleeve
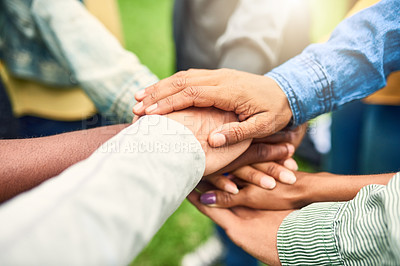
<point>363,231</point>
<point>105,209</point>
<point>354,63</point>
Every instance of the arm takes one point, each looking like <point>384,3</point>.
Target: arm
<point>108,73</point>
<point>105,209</point>
<point>25,163</point>
<point>363,51</point>
<point>309,188</point>
<point>362,231</point>
<point>351,65</point>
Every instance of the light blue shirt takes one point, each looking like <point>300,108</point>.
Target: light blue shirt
<point>363,50</point>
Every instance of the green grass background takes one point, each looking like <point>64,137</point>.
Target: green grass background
<point>147,27</point>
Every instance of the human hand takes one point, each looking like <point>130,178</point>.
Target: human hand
<point>291,136</point>
<point>261,105</point>
<point>309,188</point>
<point>201,121</point>
<point>255,231</point>
<point>262,175</point>
<point>282,197</point>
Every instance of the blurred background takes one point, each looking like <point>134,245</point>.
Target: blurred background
<point>147,30</point>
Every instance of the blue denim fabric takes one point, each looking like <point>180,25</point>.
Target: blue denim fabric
<point>77,43</point>
<point>24,51</point>
<point>362,51</point>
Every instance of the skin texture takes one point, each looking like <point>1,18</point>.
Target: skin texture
<point>255,231</point>
<point>201,121</point>
<point>259,102</point>
<point>25,163</point>
<point>309,188</point>
<point>274,151</point>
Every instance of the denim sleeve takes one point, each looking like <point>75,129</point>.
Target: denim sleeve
<point>109,74</point>
<point>362,51</point>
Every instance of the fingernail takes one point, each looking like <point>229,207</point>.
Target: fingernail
<point>291,164</point>
<point>140,94</point>
<point>231,188</point>
<point>151,108</point>
<point>208,198</point>
<point>267,182</point>
<point>290,148</point>
<point>218,139</point>
<point>137,107</point>
<point>287,177</point>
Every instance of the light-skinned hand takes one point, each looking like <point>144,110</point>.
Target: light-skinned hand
<point>261,105</point>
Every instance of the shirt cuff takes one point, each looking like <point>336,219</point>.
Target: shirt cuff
<point>307,87</point>
<point>307,236</point>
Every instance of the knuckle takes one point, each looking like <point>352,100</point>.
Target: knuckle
<point>263,151</point>
<point>169,101</point>
<point>190,92</point>
<point>252,176</point>
<point>225,199</point>
<point>238,133</point>
<point>153,95</point>
<point>179,83</point>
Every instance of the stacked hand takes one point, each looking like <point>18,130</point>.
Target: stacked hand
<point>261,105</point>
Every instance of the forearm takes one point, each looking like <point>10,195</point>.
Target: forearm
<point>105,209</point>
<point>362,231</point>
<point>342,187</point>
<point>363,51</point>
<point>25,163</point>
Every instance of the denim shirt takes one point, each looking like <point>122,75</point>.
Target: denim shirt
<point>362,51</point>
<point>60,43</point>
<point>23,50</point>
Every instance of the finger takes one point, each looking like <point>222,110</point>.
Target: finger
<point>290,164</point>
<point>278,137</point>
<point>258,153</point>
<point>223,217</point>
<point>223,183</point>
<point>204,186</point>
<point>277,171</point>
<point>257,126</point>
<point>169,86</point>
<point>199,96</point>
<point>221,199</point>
<point>256,177</point>
<point>135,119</point>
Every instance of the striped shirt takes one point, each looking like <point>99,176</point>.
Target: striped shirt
<point>363,231</point>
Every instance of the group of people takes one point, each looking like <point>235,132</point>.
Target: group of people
<point>97,196</point>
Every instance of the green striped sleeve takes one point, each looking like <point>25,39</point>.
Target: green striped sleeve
<point>363,231</point>
<point>306,236</point>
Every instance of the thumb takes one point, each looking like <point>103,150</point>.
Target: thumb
<point>222,199</point>
<point>223,217</point>
<point>254,127</point>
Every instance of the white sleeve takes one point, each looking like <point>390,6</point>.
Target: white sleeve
<point>105,209</point>
<point>254,35</point>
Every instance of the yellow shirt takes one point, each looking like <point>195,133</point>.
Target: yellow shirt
<point>72,104</point>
